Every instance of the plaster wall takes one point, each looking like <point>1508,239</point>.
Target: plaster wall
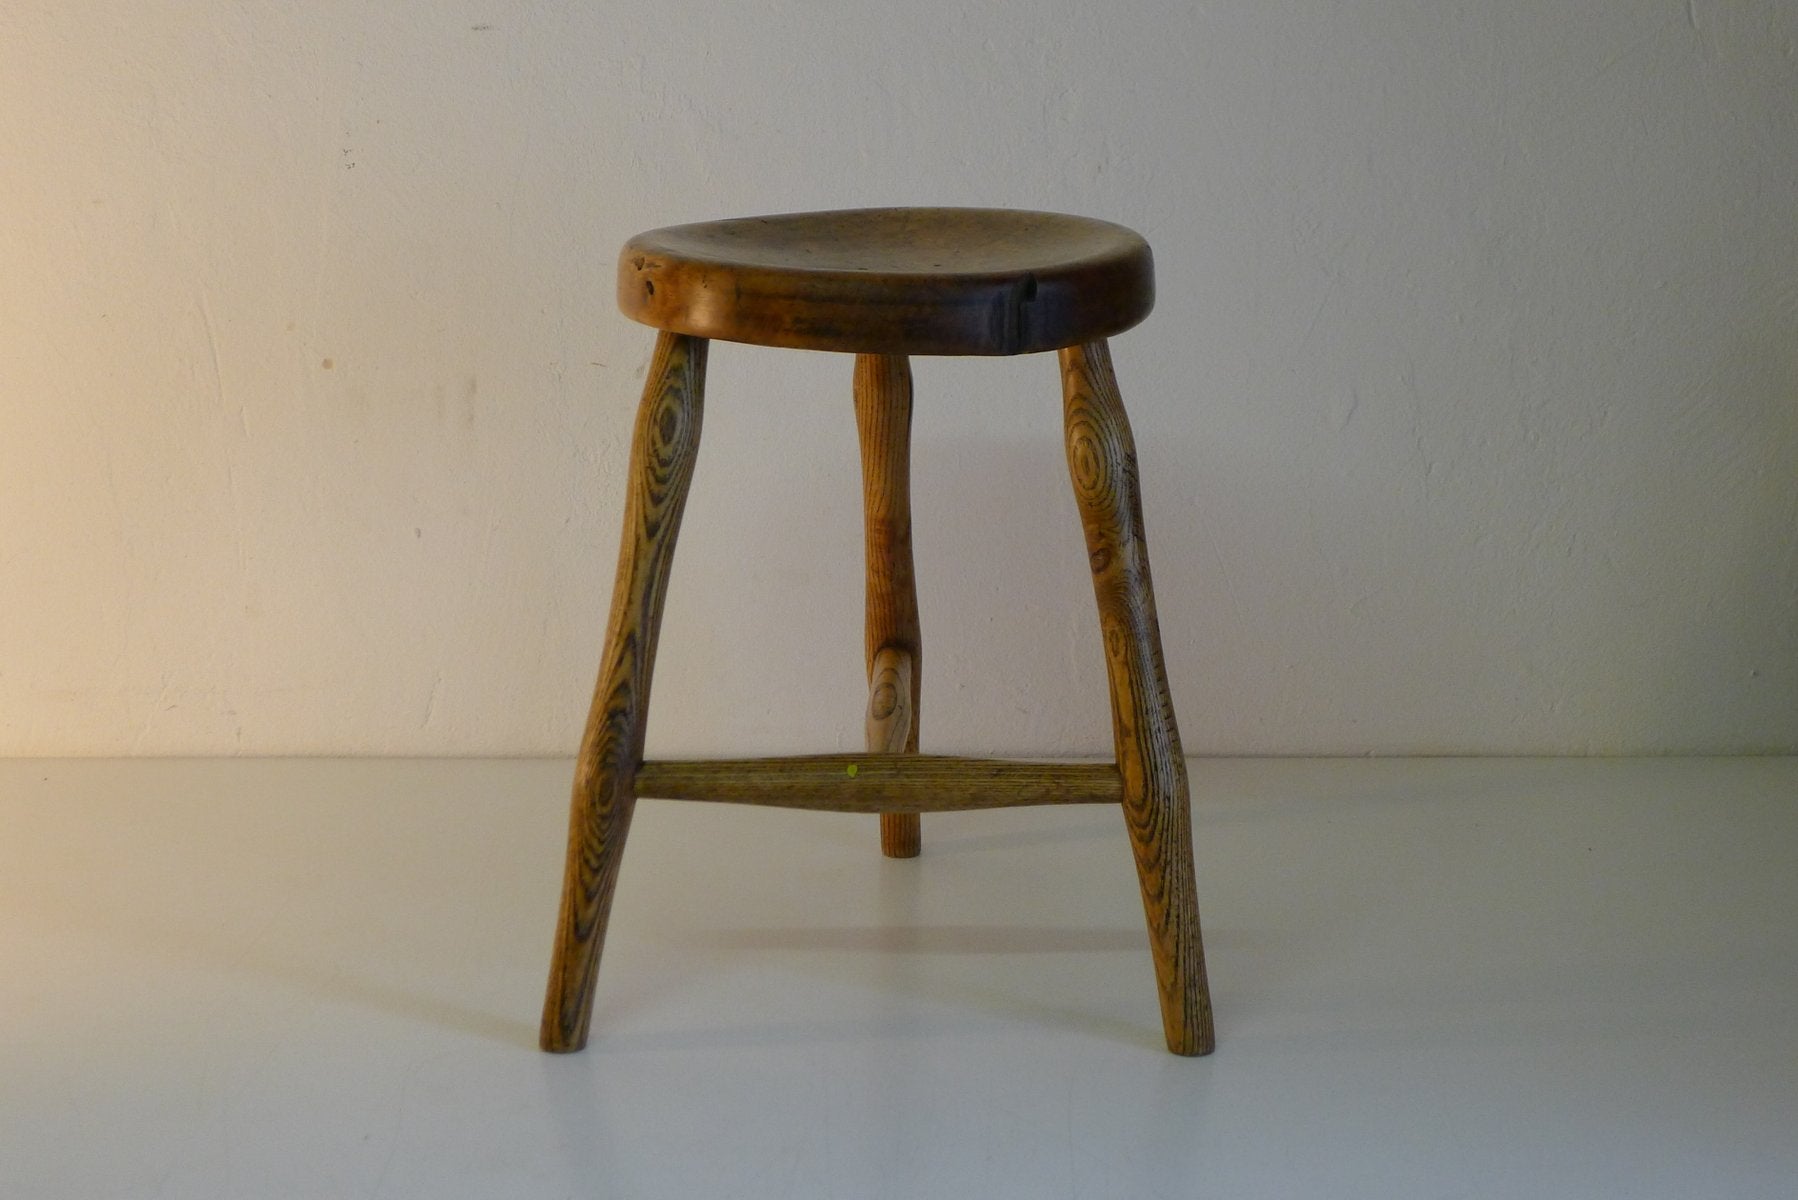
<point>1468,417</point>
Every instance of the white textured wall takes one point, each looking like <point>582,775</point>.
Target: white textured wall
<point>1468,418</point>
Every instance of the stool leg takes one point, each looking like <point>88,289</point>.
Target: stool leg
<point>1102,461</point>
<point>663,448</point>
<point>883,420</point>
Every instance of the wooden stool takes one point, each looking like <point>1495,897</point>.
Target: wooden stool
<point>883,284</point>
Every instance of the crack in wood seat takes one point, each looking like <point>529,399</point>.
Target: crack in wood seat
<point>884,284</point>
<point>892,280</point>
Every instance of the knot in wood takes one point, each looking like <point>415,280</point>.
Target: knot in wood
<point>884,700</point>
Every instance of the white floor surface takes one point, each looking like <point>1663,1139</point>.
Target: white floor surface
<point>1433,978</point>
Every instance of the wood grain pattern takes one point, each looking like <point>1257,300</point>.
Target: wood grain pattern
<point>913,783</point>
<point>892,280</point>
<point>883,424</point>
<point>1157,811</point>
<point>664,445</point>
<point>889,722</point>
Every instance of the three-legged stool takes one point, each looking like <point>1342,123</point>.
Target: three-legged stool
<point>883,284</point>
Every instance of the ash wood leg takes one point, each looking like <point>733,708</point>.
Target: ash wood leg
<point>662,453</point>
<point>883,419</point>
<point>1102,461</point>
<point>889,702</point>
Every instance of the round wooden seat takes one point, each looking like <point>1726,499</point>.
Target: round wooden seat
<point>892,280</point>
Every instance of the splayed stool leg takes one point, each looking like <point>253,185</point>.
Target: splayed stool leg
<point>663,448</point>
<point>1157,811</point>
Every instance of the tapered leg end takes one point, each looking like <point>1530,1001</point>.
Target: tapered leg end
<point>574,969</point>
<point>555,1040</point>
<point>1193,1039</point>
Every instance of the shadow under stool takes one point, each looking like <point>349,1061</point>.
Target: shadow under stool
<point>884,284</point>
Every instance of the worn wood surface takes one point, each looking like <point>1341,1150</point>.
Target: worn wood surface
<point>883,423</point>
<point>892,280</point>
<point>1102,462</point>
<point>867,783</point>
<point>663,449</point>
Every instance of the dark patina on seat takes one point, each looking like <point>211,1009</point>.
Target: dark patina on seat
<point>892,280</point>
